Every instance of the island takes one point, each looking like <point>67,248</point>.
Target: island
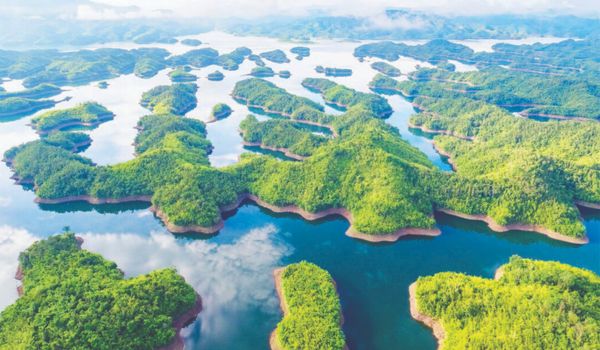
<point>37,92</point>
<point>262,72</point>
<point>71,141</point>
<point>365,172</point>
<point>285,74</point>
<point>176,99</point>
<point>191,42</point>
<point>89,114</point>
<point>215,76</point>
<point>276,56</point>
<point>84,301</point>
<point>16,107</point>
<point>257,60</point>
<point>103,85</point>
<point>219,111</point>
<point>293,141</point>
<point>311,307</point>
<point>337,72</point>
<point>182,75</point>
<point>232,60</point>
<point>515,307</point>
<point>342,97</point>
<point>386,69</point>
<point>300,51</point>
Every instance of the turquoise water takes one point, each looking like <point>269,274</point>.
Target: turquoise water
<point>232,270</point>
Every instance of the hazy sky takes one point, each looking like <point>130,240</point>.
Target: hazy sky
<point>120,9</point>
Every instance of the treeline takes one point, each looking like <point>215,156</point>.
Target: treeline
<point>175,99</point>
<point>84,114</point>
<point>74,299</point>
<point>532,305</point>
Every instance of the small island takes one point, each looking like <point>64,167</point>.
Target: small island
<point>215,76</point>
<point>17,107</point>
<point>337,72</point>
<point>515,307</point>
<point>257,60</point>
<point>220,111</point>
<point>301,52</point>
<point>285,74</point>
<point>191,42</point>
<point>182,75</point>
<point>89,114</point>
<point>176,99</point>
<point>276,56</point>
<point>103,85</point>
<point>84,301</point>
<point>37,92</point>
<point>262,72</point>
<point>386,68</point>
<point>311,307</point>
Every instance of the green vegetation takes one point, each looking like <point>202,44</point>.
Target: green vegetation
<point>40,91</point>
<point>176,99</point>
<point>191,42</point>
<point>313,314</point>
<point>216,76</point>
<point>262,72</point>
<point>220,111</point>
<point>386,69</point>
<point>71,141</point>
<point>344,97</point>
<point>277,56</point>
<point>284,74</point>
<point>74,299</point>
<point>16,107</point>
<point>300,52</point>
<point>103,85</point>
<point>206,56</point>
<point>257,60</point>
<point>337,72</point>
<point>149,65</point>
<point>531,93</point>
<point>180,75</point>
<point>272,99</point>
<point>533,305</point>
<point>281,134</point>
<point>433,51</point>
<point>85,114</point>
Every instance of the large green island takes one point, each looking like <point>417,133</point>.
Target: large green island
<point>529,305</point>
<point>73,299</point>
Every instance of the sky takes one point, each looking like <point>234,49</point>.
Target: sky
<point>127,9</point>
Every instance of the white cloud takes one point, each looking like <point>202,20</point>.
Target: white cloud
<point>252,9</point>
<point>12,242</point>
<point>230,277</point>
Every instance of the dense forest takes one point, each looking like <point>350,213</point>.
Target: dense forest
<point>384,183</point>
<point>530,305</point>
<point>176,99</point>
<point>313,312</point>
<point>343,97</point>
<point>86,114</point>
<point>74,299</point>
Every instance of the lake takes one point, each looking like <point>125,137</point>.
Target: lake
<point>232,270</point>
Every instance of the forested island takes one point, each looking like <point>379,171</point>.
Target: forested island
<point>182,75</point>
<point>73,299</point>
<point>191,42</point>
<point>216,76</point>
<point>530,304</point>
<point>262,72</point>
<point>399,187</point>
<point>386,68</point>
<point>177,98</point>
<point>311,308</point>
<point>343,97</point>
<point>276,56</point>
<point>89,114</point>
<point>220,111</point>
<point>300,51</point>
<point>17,107</point>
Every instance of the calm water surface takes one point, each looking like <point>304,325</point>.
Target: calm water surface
<point>232,270</point>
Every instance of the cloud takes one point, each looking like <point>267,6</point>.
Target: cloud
<point>12,242</point>
<point>254,9</point>
<point>230,277</point>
